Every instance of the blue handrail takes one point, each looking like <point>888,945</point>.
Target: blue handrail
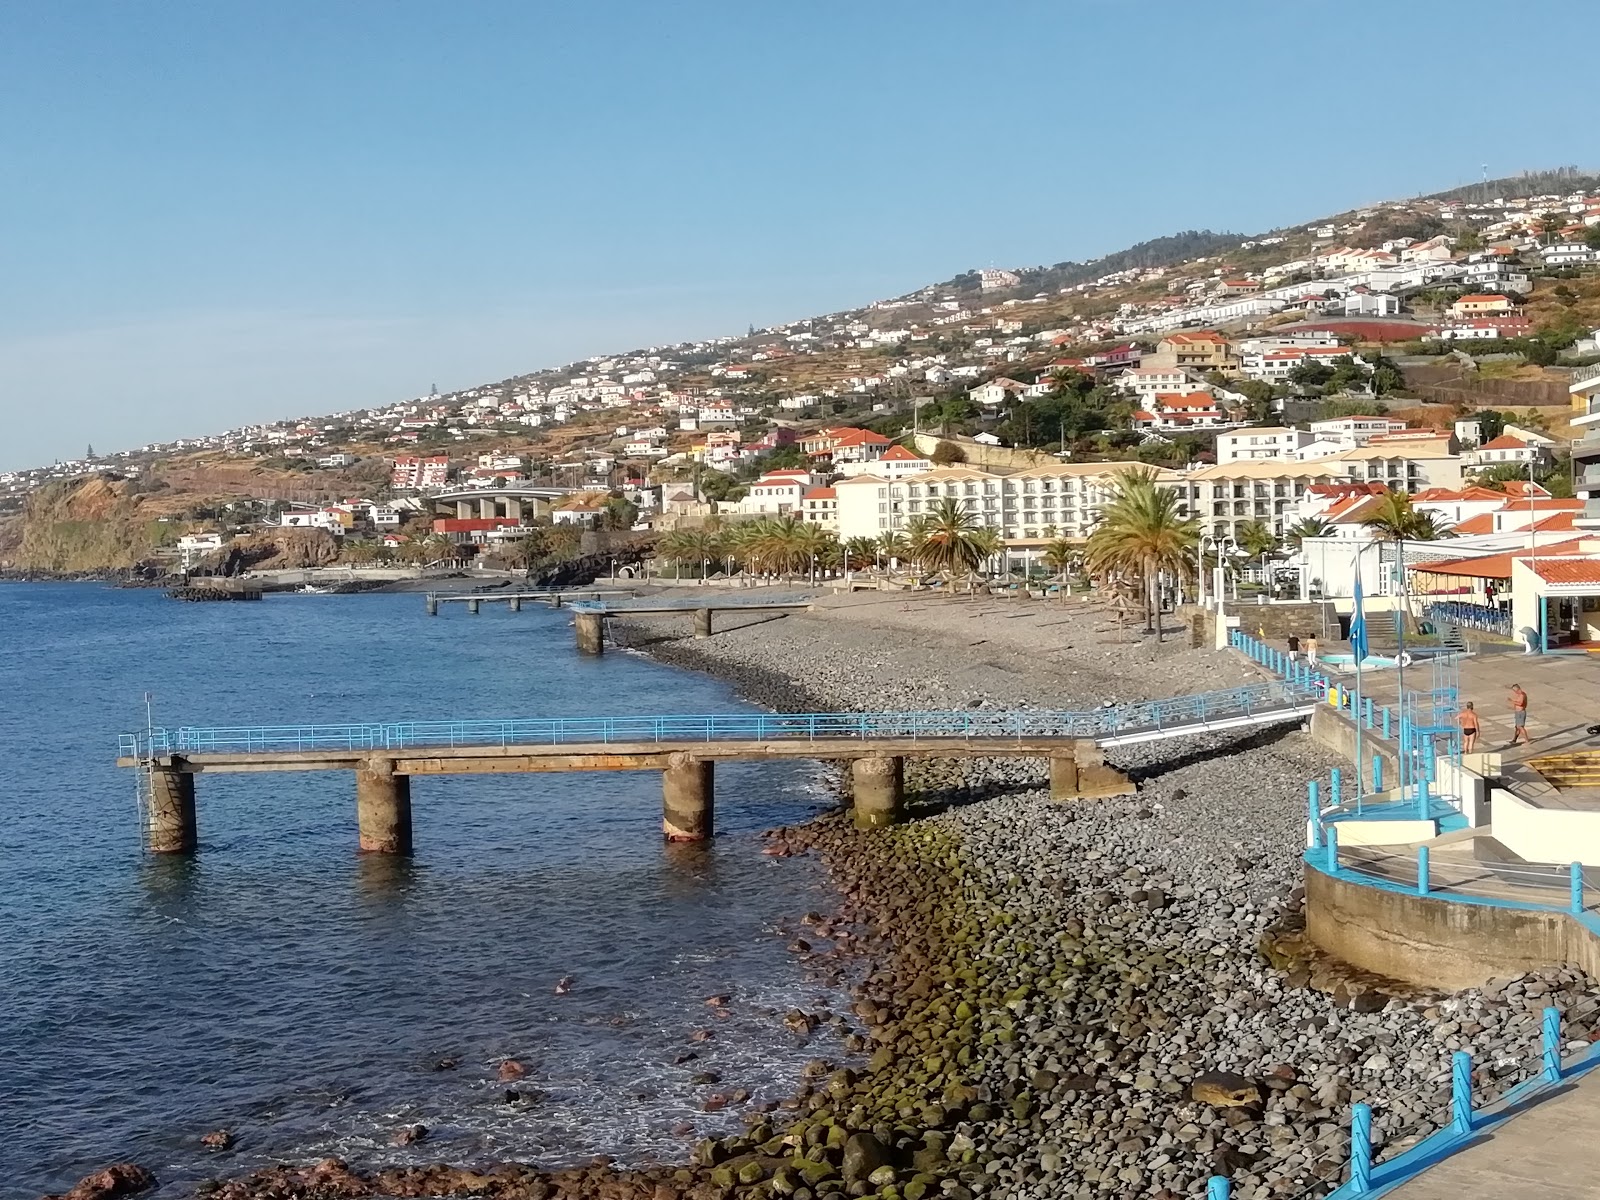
<point>975,724</point>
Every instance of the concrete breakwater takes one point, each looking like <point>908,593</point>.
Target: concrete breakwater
<point>1053,1000</point>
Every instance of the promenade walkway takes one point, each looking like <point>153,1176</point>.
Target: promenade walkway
<point>1549,1152</point>
<point>1563,691</point>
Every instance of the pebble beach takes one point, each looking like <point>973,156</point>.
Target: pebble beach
<point>1079,999</point>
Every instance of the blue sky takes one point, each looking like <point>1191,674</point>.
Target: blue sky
<point>219,212</point>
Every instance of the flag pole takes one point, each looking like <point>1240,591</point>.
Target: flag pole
<point>1358,651</point>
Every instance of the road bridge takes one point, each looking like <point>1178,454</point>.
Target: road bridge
<point>386,757</point>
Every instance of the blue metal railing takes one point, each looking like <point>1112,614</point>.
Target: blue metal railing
<point>1465,1121</point>
<point>1297,672</point>
<point>974,724</point>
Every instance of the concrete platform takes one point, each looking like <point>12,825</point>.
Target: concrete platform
<point>1549,1152</point>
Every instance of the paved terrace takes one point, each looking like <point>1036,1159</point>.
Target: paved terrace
<point>1546,1153</point>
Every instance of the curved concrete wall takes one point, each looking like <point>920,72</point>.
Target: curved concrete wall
<point>1438,943</point>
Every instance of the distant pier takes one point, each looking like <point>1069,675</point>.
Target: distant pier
<point>554,597</point>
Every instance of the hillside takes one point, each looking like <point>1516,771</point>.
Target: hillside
<point>92,524</point>
<point>879,364</point>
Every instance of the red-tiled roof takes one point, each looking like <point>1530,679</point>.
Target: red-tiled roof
<point>900,454</point>
<point>1568,570</point>
<point>821,493</point>
<point>1505,442</point>
<point>1490,566</point>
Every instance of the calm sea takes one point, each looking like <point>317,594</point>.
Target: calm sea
<point>281,986</point>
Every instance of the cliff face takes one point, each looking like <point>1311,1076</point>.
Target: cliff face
<point>90,524</point>
<point>271,550</point>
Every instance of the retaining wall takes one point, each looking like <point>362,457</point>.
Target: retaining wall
<point>1438,943</point>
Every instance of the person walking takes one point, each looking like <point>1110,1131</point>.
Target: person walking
<point>1311,651</point>
<point>1519,715</point>
<point>1294,648</point>
<point>1469,728</point>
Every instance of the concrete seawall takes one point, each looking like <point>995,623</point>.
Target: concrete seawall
<point>1438,943</point>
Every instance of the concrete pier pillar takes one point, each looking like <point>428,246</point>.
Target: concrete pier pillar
<point>516,604</point>
<point>433,607</point>
<point>555,601</point>
<point>591,629</point>
<point>702,622</point>
<point>1095,778</point>
<point>688,798</point>
<point>383,808</point>
<point>172,825</point>
<point>1063,777</point>
<point>878,784</point>
<point>472,606</point>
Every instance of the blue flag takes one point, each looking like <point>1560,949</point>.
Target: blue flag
<point>1358,625</point>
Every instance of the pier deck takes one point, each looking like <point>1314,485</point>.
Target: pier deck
<point>685,748</point>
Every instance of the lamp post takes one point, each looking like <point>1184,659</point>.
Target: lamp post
<point>1219,580</point>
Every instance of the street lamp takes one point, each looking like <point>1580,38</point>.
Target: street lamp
<point>1219,544</point>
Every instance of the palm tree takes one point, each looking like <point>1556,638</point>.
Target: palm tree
<point>1140,536</point>
<point>860,553</point>
<point>1309,527</point>
<point>703,546</point>
<point>945,540</point>
<point>1396,520</point>
<point>1059,556</point>
<point>783,544</point>
<point>990,545</point>
<point>1256,538</point>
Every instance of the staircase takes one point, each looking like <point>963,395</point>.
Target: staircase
<point>1453,638</point>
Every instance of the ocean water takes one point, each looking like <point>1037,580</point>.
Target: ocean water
<point>282,986</point>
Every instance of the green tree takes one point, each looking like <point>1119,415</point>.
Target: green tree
<point>1591,237</point>
<point>702,547</point>
<point>860,553</point>
<point>1308,527</point>
<point>1256,538</point>
<point>1141,535</point>
<point>946,453</point>
<point>1551,224</point>
<point>619,513</point>
<point>1060,556</point>
<point>947,540</point>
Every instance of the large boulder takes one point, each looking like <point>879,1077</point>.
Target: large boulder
<point>1224,1089</point>
<point>863,1154</point>
<point>119,1179</point>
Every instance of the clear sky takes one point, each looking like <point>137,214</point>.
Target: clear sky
<point>223,211</point>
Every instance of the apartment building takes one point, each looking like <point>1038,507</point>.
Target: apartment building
<point>1038,504</point>
<point>1252,444</point>
<point>1229,495</point>
<point>820,506</point>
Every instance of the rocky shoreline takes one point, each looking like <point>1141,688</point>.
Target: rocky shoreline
<point>1054,1000</point>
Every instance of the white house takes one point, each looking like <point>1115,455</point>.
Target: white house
<point>896,464</point>
<point>1507,448</point>
<point>995,392</point>
<point>777,492</point>
<point>1272,442</point>
<point>1355,431</point>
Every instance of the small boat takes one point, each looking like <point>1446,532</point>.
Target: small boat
<point>306,589</point>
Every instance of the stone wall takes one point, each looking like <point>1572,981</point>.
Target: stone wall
<point>1438,943</point>
<point>1273,623</point>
